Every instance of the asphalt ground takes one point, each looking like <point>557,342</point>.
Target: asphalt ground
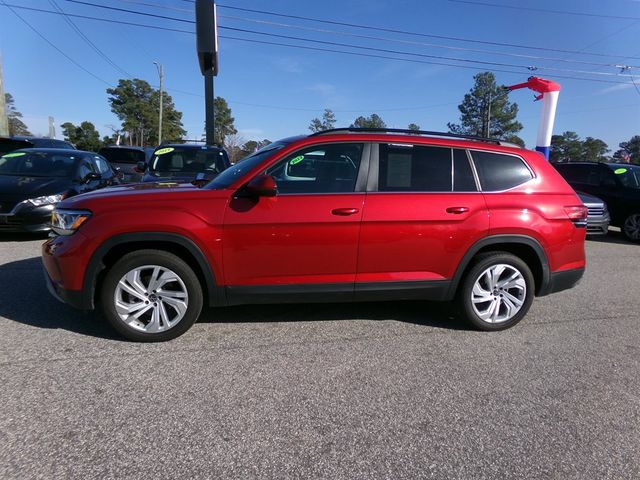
<point>370,390</point>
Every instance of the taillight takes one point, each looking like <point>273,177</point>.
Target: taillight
<point>577,214</point>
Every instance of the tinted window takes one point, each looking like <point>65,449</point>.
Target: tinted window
<point>319,169</point>
<point>578,173</point>
<point>103,166</point>
<point>414,168</point>
<point>123,155</point>
<point>236,171</point>
<point>500,172</point>
<point>38,164</point>
<point>628,175</point>
<point>188,160</point>
<point>463,180</point>
<point>9,145</point>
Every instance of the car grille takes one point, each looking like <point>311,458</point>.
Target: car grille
<point>6,206</point>
<point>595,211</point>
<point>9,222</point>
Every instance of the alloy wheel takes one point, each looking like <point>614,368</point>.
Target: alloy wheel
<point>498,293</point>
<point>151,299</point>
<point>632,226</point>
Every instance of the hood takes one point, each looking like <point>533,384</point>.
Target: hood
<point>128,193</point>
<point>157,176</point>
<point>21,188</point>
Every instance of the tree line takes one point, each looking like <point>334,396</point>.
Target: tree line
<point>485,111</point>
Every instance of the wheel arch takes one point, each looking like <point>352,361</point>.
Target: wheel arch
<point>524,247</point>
<point>115,247</point>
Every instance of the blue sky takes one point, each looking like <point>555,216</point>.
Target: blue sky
<point>275,91</point>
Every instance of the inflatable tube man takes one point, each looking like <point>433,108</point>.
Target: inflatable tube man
<point>549,92</point>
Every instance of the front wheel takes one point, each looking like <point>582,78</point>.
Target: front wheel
<point>631,227</point>
<point>497,292</point>
<point>151,296</point>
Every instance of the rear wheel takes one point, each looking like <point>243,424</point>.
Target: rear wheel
<point>631,227</point>
<point>497,292</point>
<point>151,296</point>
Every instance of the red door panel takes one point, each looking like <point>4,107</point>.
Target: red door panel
<point>292,239</point>
<point>418,236</point>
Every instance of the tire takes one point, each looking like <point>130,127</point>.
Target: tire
<point>492,306</point>
<point>631,227</point>
<point>133,303</point>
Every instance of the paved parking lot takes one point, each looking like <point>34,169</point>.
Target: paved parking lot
<point>389,390</point>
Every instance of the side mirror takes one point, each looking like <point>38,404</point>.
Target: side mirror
<point>262,186</point>
<point>141,167</point>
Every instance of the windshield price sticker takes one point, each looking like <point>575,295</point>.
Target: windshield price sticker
<point>620,171</point>
<point>162,151</point>
<point>297,159</point>
<point>11,155</point>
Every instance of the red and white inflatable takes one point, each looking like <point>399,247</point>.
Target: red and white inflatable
<point>549,92</point>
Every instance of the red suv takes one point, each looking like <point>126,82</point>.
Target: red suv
<point>340,215</point>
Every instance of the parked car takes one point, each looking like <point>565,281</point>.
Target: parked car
<point>184,163</point>
<point>618,184</point>
<point>127,160</point>
<point>340,215</point>
<point>33,180</point>
<point>9,144</point>
<point>598,218</point>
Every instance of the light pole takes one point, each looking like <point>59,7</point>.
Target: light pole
<point>161,75</point>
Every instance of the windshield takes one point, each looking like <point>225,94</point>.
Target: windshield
<point>122,155</point>
<point>236,171</point>
<point>38,164</point>
<point>629,175</point>
<point>188,160</point>
<point>9,145</point>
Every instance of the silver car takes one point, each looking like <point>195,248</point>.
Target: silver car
<point>598,214</point>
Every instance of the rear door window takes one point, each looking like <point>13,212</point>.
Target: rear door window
<point>498,171</point>
<point>414,168</point>
<point>463,179</point>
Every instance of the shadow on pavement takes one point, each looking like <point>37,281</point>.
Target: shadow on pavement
<point>23,237</point>
<point>612,237</point>
<point>24,299</point>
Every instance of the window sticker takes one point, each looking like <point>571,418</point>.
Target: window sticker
<point>162,151</point>
<point>620,171</point>
<point>11,155</point>
<point>296,160</point>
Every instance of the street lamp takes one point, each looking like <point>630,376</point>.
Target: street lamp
<point>161,75</point>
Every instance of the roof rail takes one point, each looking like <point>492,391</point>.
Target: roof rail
<point>412,132</point>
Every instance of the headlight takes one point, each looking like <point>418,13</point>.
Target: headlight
<point>46,200</point>
<point>66,222</point>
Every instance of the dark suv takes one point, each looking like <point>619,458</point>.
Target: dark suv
<point>618,184</point>
<point>341,215</point>
<point>184,163</point>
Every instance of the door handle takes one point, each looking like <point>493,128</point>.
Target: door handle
<point>344,212</point>
<point>457,210</point>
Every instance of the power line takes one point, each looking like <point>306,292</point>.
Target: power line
<point>359,47</point>
<point>409,59</point>
<point>75,28</point>
<point>368,37</point>
<point>35,30</point>
<point>422,55</point>
<point>543,10</point>
<point>317,49</point>
<point>409,42</point>
<point>418,34</point>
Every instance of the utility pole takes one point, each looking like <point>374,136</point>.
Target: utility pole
<point>488,132</point>
<point>207,49</point>
<point>161,74</point>
<point>4,121</point>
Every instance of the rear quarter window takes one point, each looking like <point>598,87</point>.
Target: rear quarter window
<point>498,171</point>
